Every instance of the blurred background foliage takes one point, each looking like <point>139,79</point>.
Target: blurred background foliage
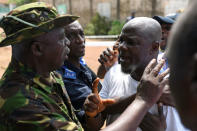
<point>100,25</point>
<point>116,27</point>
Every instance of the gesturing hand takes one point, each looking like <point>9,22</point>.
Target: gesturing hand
<point>93,103</point>
<point>109,57</point>
<point>152,83</point>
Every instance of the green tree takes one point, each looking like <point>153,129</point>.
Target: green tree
<point>89,29</point>
<point>116,27</point>
<point>99,25</point>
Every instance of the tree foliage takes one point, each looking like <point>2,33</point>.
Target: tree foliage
<point>116,27</point>
<point>100,25</point>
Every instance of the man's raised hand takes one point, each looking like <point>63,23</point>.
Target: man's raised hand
<point>93,103</point>
<point>152,83</point>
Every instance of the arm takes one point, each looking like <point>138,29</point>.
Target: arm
<point>101,71</point>
<point>121,104</point>
<point>131,117</point>
<point>94,118</point>
<point>149,91</point>
<point>96,122</point>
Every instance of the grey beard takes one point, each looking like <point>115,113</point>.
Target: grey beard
<point>129,70</point>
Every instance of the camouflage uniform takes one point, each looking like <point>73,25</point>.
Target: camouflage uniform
<point>27,100</point>
<point>31,102</point>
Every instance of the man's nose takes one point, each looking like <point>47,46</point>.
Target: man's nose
<point>80,39</point>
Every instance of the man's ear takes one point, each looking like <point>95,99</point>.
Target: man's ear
<point>37,48</point>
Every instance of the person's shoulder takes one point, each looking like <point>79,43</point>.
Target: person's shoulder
<point>9,81</point>
<point>115,75</point>
<point>115,71</point>
<point>90,71</point>
<point>115,68</point>
<point>14,94</point>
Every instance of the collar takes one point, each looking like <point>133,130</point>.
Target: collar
<point>71,72</point>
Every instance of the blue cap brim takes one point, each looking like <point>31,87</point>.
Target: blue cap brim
<point>173,16</point>
<point>162,19</point>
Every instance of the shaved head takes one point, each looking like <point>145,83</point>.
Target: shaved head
<point>146,27</point>
<point>139,43</point>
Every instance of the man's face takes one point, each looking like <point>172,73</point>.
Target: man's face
<point>56,48</point>
<point>74,32</point>
<point>165,33</point>
<point>133,50</point>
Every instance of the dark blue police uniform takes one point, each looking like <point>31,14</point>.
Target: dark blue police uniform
<point>78,83</point>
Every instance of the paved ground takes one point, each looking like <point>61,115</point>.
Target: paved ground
<point>5,56</point>
<point>93,50</point>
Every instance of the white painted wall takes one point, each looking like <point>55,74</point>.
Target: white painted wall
<point>171,6</point>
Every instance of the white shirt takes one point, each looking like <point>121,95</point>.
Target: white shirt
<point>118,84</point>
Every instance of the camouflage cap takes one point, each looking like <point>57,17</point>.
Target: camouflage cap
<point>31,20</point>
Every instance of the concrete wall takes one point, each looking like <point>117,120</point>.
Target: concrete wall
<point>142,8</point>
<point>171,6</point>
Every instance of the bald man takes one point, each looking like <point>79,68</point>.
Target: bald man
<point>138,45</point>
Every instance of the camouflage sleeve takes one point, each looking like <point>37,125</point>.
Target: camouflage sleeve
<point>21,109</point>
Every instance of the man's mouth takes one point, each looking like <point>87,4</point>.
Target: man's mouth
<point>82,48</point>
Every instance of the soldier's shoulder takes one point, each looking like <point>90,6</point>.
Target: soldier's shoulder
<point>12,84</point>
<point>12,80</point>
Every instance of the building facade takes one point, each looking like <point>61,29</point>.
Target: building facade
<point>112,9</point>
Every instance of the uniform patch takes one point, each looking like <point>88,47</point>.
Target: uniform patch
<point>70,74</point>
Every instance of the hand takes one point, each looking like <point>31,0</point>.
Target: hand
<point>154,122</point>
<point>116,45</point>
<point>152,83</point>
<point>166,97</point>
<point>94,104</point>
<point>109,57</point>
